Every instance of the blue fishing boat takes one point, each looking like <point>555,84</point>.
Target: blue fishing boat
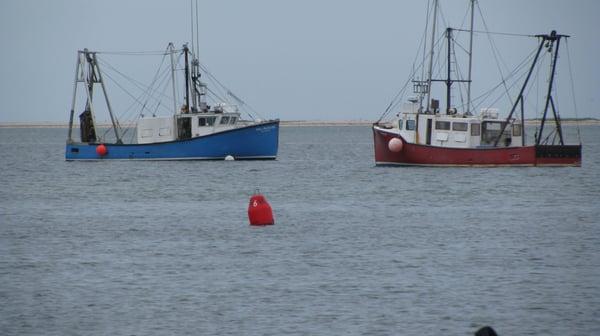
<point>193,130</point>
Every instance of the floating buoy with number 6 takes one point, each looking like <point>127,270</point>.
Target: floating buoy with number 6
<point>259,211</point>
<point>101,150</point>
<point>395,145</point>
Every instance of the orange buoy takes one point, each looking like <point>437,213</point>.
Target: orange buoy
<point>259,211</point>
<point>395,145</point>
<point>101,150</point>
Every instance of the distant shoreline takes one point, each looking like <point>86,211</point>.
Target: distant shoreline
<point>284,123</point>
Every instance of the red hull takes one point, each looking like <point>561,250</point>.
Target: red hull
<point>424,155</point>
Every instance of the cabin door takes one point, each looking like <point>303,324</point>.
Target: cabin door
<point>184,128</point>
<point>428,135</point>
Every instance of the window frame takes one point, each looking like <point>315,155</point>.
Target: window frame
<point>457,123</point>
<point>476,129</point>
<point>442,125</point>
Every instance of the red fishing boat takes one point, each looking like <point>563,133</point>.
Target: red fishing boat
<point>423,134</point>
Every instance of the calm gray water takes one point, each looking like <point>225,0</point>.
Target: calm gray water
<point>164,248</point>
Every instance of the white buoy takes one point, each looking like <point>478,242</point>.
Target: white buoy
<point>395,145</point>
<point>229,158</point>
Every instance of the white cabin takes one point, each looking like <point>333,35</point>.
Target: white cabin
<point>456,130</point>
<point>184,126</point>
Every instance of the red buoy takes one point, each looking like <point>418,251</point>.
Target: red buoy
<point>259,211</point>
<point>101,150</point>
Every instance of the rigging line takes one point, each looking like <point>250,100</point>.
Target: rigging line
<point>243,103</point>
<point>212,77</point>
<point>494,51</point>
<point>217,90</point>
<point>131,53</point>
<point>443,17</point>
<point>459,77</point>
<point>150,89</point>
<point>458,44</point>
<point>122,88</point>
<point>217,96</point>
<point>126,115</point>
<point>483,97</point>
<point>464,19</point>
<point>535,82</point>
<point>400,95</point>
<point>423,38</point>
<point>423,42</point>
<point>139,85</point>
<point>524,62</point>
<point>396,101</point>
<point>192,24</point>
<point>222,96</point>
<point>573,89</point>
<point>510,87</point>
<point>494,33</point>
<point>227,92</point>
<point>197,33</point>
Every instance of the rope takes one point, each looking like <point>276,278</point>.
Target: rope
<point>132,53</point>
<point>493,33</point>
<point>573,90</point>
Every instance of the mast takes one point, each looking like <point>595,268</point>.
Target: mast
<point>112,117</point>
<point>470,57</point>
<point>520,97</point>
<point>552,38</point>
<point>429,75</point>
<point>449,77</point>
<point>187,77</point>
<point>195,64</point>
<point>73,101</point>
<point>173,83</point>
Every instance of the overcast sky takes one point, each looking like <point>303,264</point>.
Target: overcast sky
<point>309,59</point>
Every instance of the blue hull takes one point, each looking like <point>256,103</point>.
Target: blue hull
<point>254,142</point>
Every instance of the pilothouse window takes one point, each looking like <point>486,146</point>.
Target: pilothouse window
<point>475,130</point>
<point>410,125</point>
<point>442,125</point>
<point>460,126</point>
<point>517,129</point>
<point>206,121</point>
<point>224,120</point>
<point>490,132</point>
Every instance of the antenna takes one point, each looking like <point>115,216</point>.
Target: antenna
<point>470,58</point>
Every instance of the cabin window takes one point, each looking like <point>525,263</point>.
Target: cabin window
<point>224,120</point>
<point>400,124</point>
<point>206,121</point>
<point>411,125</point>
<point>491,131</point>
<point>233,119</point>
<point>442,125</point>
<point>146,133</point>
<point>164,131</point>
<point>517,129</point>
<point>460,126</point>
<point>475,130</point>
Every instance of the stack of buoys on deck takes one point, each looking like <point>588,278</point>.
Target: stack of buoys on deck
<point>259,211</point>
